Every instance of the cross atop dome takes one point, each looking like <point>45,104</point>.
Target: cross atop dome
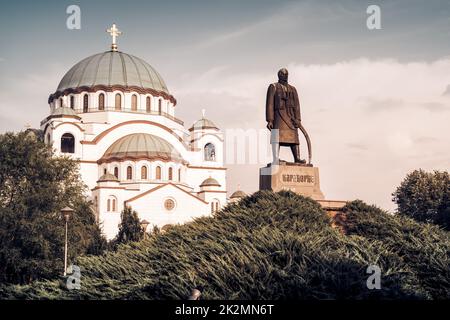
<point>114,32</point>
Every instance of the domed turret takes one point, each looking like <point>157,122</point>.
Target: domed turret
<point>108,177</point>
<point>203,123</point>
<point>210,182</point>
<point>237,195</point>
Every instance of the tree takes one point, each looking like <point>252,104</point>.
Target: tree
<point>425,196</point>
<point>130,227</point>
<point>34,186</point>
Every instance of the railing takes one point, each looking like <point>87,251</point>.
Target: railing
<point>151,112</point>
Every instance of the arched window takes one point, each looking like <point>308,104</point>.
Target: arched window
<point>111,204</point>
<point>144,173</point>
<point>210,152</point>
<point>101,101</point>
<point>67,143</point>
<point>148,104</point>
<point>134,102</point>
<point>158,173</point>
<point>215,205</point>
<point>118,102</point>
<point>72,102</point>
<point>61,102</point>
<point>129,173</point>
<point>159,106</point>
<point>116,172</point>
<point>104,171</point>
<point>170,174</point>
<point>179,174</point>
<point>85,103</point>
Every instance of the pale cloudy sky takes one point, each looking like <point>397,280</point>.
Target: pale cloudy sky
<point>376,103</point>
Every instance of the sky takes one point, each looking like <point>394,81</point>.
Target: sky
<point>376,103</point>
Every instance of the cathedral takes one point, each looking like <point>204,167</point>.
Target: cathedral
<point>113,113</point>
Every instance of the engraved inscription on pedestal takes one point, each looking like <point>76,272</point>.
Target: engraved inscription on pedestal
<point>301,179</point>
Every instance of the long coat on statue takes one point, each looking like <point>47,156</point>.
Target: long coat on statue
<point>283,110</point>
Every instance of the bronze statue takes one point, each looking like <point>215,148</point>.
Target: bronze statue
<point>283,117</point>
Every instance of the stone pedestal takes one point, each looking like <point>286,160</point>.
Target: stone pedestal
<point>299,178</point>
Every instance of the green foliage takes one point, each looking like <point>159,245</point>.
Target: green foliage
<point>425,196</point>
<point>130,227</point>
<point>34,187</point>
<point>268,246</point>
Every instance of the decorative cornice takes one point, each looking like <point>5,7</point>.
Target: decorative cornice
<point>212,191</point>
<point>140,90</point>
<point>209,168</point>
<point>138,158</point>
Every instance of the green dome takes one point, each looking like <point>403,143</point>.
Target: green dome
<point>139,146</point>
<point>112,68</point>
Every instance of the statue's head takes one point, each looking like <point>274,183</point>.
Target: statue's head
<point>283,75</point>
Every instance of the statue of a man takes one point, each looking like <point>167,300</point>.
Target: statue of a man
<point>283,116</point>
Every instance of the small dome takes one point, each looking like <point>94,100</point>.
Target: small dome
<point>108,177</point>
<point>237,194</point>
<point>210,182</point>
<point>112,68</point>
<point>141,146</point>
<point>63,111</point>
<point>203,123</point>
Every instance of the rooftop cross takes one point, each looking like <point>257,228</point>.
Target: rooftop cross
<point>114,32</point>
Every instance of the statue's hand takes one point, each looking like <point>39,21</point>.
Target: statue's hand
<point>270,125</point>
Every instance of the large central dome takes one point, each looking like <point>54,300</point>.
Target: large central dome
<point>113,68</point>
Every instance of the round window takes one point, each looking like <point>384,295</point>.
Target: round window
<point>169,204</point>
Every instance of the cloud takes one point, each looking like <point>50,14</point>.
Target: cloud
<point>2,59</point>
<point>435,106</point>
<point>357,146</point>
<point>370,121</point>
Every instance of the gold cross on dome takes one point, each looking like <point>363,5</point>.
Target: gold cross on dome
<point>114,32</point>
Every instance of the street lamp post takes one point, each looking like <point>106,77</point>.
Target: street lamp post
<point>66,213</point>
<point>144,225</point>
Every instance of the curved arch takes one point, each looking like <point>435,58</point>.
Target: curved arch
<point>104,133</point>
<point>71,123</point>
